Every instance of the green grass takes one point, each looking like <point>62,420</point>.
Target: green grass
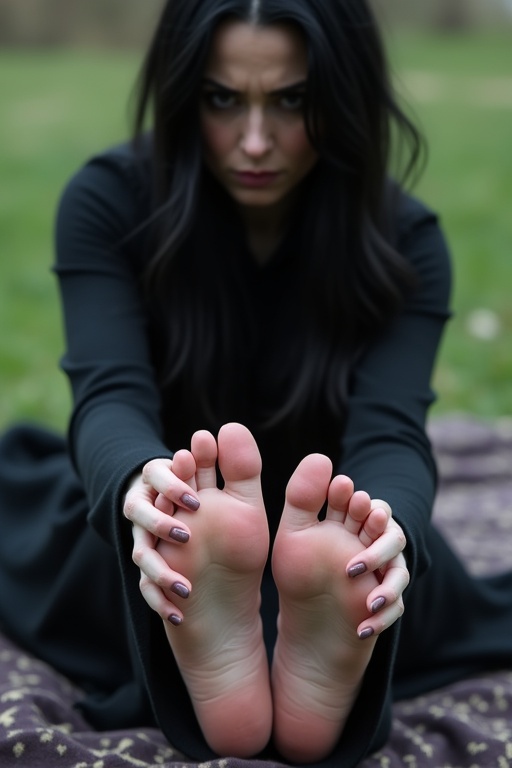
<point>57,109</point>
<point>60,107</point>
<point>461,91</point>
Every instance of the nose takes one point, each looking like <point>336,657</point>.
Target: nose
<point>256,138</point>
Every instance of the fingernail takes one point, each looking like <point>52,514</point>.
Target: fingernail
<point>178,534</point>
<point>377,604</point>
<point>368,632</point>
<point>180,589</point>
<point>357,570</point>
<point>173,619</point>
<point>190,502</point>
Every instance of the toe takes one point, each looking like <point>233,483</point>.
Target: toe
<point>240,462</point>
<point>306,492</point>
<point>204,451</point>
<point>340,492</point>
<point>184,467</point>
<point>358,511</point>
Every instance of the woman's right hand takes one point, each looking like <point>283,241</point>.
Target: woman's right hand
<point>150,501</point>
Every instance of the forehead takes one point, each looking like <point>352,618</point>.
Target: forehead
<point>244,54</point>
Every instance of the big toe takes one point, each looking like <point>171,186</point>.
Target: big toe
<point>239,461</point>
<point>306,492</point>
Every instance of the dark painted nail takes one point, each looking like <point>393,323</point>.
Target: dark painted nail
<point>377,604</point>
<point>173,619</point>
<point>357,570</point>
<point>180,589</point>
<point>190,502</point>
<point>368,632</point>
<point>178,534</point>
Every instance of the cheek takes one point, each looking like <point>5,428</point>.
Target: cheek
<point>217,139</point>
<point>298,148</point>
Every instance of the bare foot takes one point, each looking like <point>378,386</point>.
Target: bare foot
<point>219,644</point>
<point>319,659</point>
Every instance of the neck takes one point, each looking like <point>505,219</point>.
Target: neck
<point>265,228</point>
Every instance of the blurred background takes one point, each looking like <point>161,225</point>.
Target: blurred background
<point>66,73</point>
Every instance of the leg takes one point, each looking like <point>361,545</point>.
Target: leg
<point>472,629</point>
<point>319,660</point>
<point>219,645</point>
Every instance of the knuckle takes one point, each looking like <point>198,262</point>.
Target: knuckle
<point>144,583</point>
<point>147,470</point>
<point>138,555</point>
<point>130,506</point>
<point>161,581</point>
<point>393,596</point>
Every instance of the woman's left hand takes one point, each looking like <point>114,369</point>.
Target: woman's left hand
<point>383,556</point>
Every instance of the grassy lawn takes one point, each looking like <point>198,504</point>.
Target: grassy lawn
<point>57,109</point>
<point>60,107</point>
<point>461,91</point>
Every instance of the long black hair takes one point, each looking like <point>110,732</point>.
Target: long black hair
<point>351,279</point>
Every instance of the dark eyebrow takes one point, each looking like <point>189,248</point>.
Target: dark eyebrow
<point>214,84</point>
<point>300,85</point>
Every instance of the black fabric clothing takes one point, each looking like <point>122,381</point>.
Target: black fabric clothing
<point>69,591</point>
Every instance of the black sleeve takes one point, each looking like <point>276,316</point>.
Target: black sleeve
<point>385,447</point>
<point>115,426</point>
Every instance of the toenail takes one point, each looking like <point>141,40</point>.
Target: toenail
<point>377,604</point>
<point>357,570</point>
<point>368,632</point>
<point>180,589</point>
<point>190,502</point>
<point>174,619</point>
<point>178,534</point>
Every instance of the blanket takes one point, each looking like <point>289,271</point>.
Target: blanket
<point>465,725</point>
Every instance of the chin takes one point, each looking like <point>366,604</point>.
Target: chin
<point>256,199</point>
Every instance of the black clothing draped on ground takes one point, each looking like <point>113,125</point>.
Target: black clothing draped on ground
<point>69,591</point>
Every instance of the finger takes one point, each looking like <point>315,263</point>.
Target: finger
<point>204,451</point>
<point>381,621</point>
<point>358,510</point>
<point>143,515</point>
<point>159,476</point>
<point>163,504</point>
<point>395,582</point>
<point>154,567</point>
<point>339,494</point>
<point>184,467</point>
<point>156,600</point>
<point>374,526</point>
<point>377,555</point>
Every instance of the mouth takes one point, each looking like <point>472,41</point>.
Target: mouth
<point>256,178</point>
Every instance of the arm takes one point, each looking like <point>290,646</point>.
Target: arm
<point>385,448</point>
<point>115,428</point>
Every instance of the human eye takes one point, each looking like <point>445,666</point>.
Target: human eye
<point>219,99</point>
<point>292,101</point>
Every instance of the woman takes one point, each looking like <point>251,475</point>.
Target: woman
<point>249,261</point>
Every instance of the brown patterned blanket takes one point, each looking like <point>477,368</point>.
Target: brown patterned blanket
<point>465,725</point>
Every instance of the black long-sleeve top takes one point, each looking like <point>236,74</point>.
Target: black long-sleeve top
<point>122,417</point>
<point>119,420</point>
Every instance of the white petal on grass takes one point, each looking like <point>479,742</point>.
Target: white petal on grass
<point>483,324</point>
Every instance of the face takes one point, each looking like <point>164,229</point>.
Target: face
<point>253,132</point>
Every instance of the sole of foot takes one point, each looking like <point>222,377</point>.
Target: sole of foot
<point>219,645</point>
<point>319,660</point>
